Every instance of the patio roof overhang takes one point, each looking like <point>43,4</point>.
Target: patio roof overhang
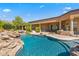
<point>56,19</point>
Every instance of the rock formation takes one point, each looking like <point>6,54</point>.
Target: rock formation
<point>10,43</point>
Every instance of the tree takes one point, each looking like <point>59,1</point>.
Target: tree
<point>18,21</point>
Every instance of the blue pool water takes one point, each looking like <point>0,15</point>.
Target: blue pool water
<point>42,46</point>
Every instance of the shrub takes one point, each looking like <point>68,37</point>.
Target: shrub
<point>8,26</point>
<point>37,29</point>
<point>28,27</point>
<point>54,28</point>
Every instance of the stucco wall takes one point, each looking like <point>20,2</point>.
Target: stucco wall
<point>75,18</point>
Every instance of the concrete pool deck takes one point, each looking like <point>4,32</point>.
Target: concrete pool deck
<point>57,36</point>
<point>63,37</point>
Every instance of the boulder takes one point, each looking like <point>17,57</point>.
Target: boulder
<point>9,43</point>
<point>75,51</point>
<point>14,35</point>
<point>6,37</point>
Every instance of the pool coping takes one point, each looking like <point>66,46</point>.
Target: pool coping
<point>57,36</point>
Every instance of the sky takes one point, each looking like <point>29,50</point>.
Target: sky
<point>34,11</point>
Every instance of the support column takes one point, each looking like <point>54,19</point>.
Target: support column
<point>59,25</point>
<point>71,26</point>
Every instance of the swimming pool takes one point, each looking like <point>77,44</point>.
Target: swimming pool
<point>35,45</point>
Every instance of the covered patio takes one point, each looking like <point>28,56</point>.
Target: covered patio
<point>67,23</point>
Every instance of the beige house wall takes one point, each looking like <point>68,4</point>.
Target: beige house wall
<point>75,18</point>
<point>67,22</point>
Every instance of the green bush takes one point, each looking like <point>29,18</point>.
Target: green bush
<point>54,28</point>
<point>37,29</point>
<point>8,26</point>
<point>28,27</point>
